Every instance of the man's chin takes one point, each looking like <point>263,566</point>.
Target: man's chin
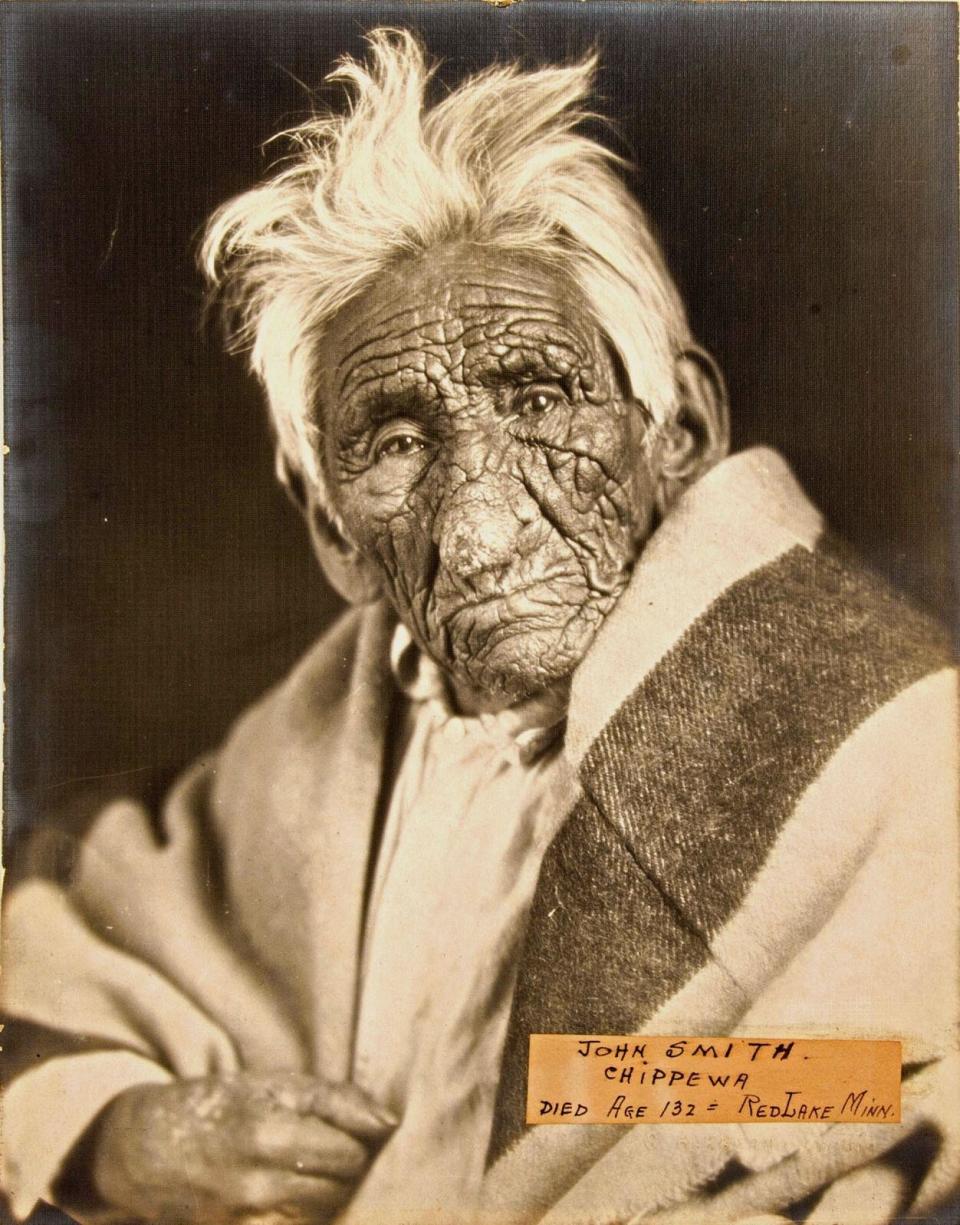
<point>517,668</point>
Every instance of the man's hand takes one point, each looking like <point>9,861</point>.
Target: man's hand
<point>249,1148</point>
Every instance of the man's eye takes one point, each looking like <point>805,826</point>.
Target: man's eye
<point>540,398</point>
<point>397,442</point>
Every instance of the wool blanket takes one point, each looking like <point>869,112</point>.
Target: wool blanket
<point>760,839</point>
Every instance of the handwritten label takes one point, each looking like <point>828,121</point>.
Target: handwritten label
<point>576,1078</point>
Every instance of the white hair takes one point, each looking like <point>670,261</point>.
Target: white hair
<point>497,162</point>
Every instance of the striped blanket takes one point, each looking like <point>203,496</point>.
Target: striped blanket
<point>761,839</point>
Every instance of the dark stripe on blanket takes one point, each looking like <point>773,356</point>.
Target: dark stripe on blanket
<point>688,786</point>
<point>700,768</point>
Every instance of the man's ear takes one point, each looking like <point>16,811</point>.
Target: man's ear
<point>698,437</point>
<point>352,576</point>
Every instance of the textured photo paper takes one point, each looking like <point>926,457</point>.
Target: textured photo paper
<point>481,518</point>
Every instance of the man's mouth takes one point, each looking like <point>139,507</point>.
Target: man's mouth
<point>486,619</point>
<point>549,588</point>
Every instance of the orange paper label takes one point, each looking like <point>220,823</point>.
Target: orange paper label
<point>577,1078</point>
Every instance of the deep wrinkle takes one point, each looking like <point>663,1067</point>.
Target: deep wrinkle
<point>482,452</point>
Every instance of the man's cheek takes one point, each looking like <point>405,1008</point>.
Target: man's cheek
<point>381,496</point>
<point>403,548</point>
<point>586,506</point>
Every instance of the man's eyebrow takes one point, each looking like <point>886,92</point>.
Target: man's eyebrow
<point>370,404</point>
<point>526,358</point>
<point>533,344</point>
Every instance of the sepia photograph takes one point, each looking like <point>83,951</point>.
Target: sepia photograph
<point>482,601</point>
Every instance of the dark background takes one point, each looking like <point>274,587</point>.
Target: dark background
<point>799,161</point>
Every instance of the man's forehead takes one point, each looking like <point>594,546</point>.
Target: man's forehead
<point>465,276</point>
<point>460,299</point>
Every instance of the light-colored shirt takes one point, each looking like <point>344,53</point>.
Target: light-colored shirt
<point>473,808</point>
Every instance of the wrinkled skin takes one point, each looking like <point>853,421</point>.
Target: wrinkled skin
<point>251,1149</point>
<point>484,456</point>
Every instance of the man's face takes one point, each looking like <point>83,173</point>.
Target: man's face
<point>481,451</point>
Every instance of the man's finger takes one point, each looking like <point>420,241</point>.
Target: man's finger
<point>308,1145</point>
<point>348,1108</point>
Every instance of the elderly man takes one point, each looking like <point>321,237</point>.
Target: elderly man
<point>614,740</point>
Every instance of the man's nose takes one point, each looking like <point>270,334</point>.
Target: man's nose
<point>481,525</point>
